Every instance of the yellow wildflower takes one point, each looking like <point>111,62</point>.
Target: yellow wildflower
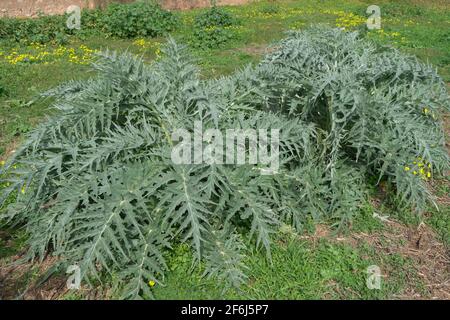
<point>151,283</point>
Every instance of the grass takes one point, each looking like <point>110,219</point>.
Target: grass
<point>312,268</point>
<point>298,270</point>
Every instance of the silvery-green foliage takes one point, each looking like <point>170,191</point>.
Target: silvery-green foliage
<point>379,108</point>
<point>95,184</point>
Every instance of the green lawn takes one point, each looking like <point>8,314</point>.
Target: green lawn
<point>306,266</point>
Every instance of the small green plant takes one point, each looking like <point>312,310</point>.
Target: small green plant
<point>145,19</point>
<point>270,8</point>
<point>212,28</point>
<point>40,30</point>
<point>21,128</point>
<point>137,19</point>
<point>211,37</point>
